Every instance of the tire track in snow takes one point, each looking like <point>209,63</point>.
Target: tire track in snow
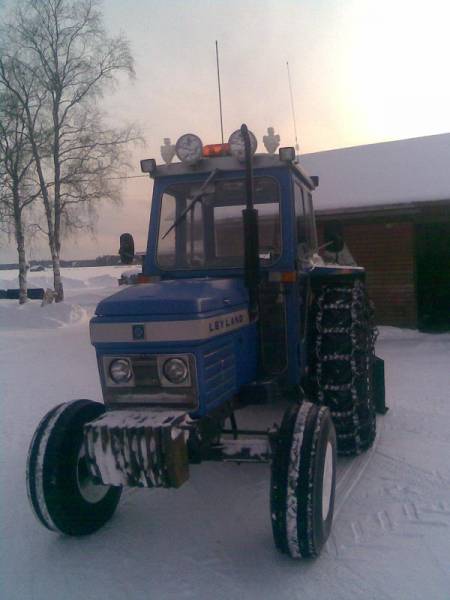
<point>349,474</point>
<point>406,520</point>
<point>402,519</point>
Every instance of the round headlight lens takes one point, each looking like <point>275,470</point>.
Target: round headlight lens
<point>120,370</point>
<point>237,144</point>
<point>175,370</point>
<point>189,148</point>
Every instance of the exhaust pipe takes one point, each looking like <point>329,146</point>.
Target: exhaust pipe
<point>251,241</point>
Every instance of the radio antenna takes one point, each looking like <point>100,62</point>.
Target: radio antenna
<point>297,148</point>
<point>220,95</point>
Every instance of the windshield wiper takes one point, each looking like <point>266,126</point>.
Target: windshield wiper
<point>197,196</point>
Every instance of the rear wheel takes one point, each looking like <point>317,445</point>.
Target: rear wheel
<point>342,356</point>
<point>303,481</point>
<point>62,493</point>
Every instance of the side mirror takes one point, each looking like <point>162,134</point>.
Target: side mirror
<point>126,250</point>
<point>333,236</point>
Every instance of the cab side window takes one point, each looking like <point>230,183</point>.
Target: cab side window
<point>302,222</point>
<point>311,221</point>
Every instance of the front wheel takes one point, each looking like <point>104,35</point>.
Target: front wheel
<point>303,481</point>
<point>62,493</point>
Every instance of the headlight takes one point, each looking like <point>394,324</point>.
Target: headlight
<point>120,370</point>
<point>175,370</point>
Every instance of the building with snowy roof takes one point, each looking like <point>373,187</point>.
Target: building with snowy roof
<point>393,201</point>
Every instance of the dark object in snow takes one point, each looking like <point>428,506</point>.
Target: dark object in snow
<point>126,250</point>
<point>61,491</point>
<point>48,297</point>
<point>378,386</point>
<point>37,268</point>
<point>13,294</point>
<point>129,278</point>
<point>303,481</point>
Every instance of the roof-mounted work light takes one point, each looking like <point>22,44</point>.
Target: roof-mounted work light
<point>189,148</point>
<point>287,154</point>
<point>148,165</point>
<point>237,146</point>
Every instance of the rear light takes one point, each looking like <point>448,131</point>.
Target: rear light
<point>141,278</point>
<point>283,276</point>
<point>216,150</point>
<point>288,277</point>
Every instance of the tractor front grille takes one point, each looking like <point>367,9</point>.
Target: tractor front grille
<point>145,387</point>
<point>220,373</point>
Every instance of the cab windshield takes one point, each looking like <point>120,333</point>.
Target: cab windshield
<point>210,234</point>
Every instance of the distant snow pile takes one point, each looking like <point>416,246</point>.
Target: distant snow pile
<point>101,281</point>
<point>34,316</point>
<point>83,287</point>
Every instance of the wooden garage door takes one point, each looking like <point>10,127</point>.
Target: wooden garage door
<point>386,250</point>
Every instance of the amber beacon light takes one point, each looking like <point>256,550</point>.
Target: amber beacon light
<point>216,150</point>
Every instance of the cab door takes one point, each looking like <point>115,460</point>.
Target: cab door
<point>306,244</point>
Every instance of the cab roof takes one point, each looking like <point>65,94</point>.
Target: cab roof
<point>230,163</point>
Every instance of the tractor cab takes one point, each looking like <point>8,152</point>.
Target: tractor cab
<point>197,227</point>
<point>197,237</point>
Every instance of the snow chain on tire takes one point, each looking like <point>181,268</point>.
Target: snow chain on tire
<point>343,345</point>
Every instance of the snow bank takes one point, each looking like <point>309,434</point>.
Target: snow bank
<point>44,280</point>
<point>102,281</point>
<point>83,288</point>
<point>34,316</point>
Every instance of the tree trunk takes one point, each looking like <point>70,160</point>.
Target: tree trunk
<point>59,290</point>
<point>57,281</point>
<point>20,239</point>
<point>23,288</point>
<point>52,239</point>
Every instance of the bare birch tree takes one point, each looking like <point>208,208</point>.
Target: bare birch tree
<point>63,46</point>
<point>17,190</point>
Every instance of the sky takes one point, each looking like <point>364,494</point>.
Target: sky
<point>362,72</point>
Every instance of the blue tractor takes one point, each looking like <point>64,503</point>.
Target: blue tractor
<point>234,308</point>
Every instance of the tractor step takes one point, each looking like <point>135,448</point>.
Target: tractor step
<point>256,450</point>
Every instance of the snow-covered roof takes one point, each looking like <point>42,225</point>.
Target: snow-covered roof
<point>389,173</point>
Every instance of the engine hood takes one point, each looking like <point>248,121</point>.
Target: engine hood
<point>175,297</point>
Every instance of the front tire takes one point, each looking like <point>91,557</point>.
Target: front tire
<point>303,481</point>
<point>62,494</point>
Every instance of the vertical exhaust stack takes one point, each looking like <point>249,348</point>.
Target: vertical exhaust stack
<point>250,218</point>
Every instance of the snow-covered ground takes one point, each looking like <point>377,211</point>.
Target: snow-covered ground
<point>211,539</point>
